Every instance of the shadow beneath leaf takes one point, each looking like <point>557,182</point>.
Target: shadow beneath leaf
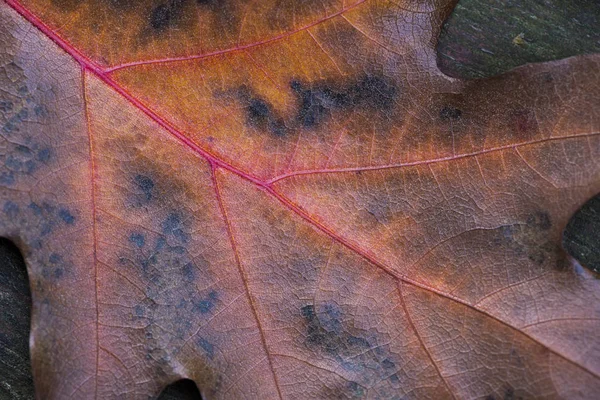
<point>581,238</point>
<point>16,381</point>
<point>183,389</point>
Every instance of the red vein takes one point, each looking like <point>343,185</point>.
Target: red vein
<point>420,339</point>
<point>94,230</point>
<point>426,162</point>
<point>243,275</point>
<point>236,48</point>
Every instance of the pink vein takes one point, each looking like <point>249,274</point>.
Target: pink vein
<point>267,186</point>
<point>95,234</point>
<point>243,275</point>
<point>424,162</point>
<point>420,339</point>
<point>236,48</point>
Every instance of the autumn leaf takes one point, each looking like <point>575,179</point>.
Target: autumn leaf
<point>288,199</point>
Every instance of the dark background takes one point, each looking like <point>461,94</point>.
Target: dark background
<point>481,38</point>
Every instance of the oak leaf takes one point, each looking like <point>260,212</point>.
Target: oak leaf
<point>288,199</point>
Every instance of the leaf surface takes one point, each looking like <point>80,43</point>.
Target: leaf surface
<point>288,199</point>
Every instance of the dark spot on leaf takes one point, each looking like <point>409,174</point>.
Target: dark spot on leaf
<point>66,5</point>
<point>188,272</point>
<point>208,347</point>
<point>356,390</point>
<point>138,311</point>
<point>66,216</point>
<point>6,106</point>
<point>10,209</point>
<point>7,178</point>
<point>146,185</point>
<point>540,220</point>
<point>44,154</point>
<point>450,113</point>
<point>166,14</point>
<point>137,239</point>
<point>260,114</point>
<point>160,244</point>
<point>387,364</point>
<point>530,238</point>
<point>318,101</point>
<point>208,303</point>
<point>35,208</point>
<point>21,160</point>
<point>173,226</point>
<point>120,4</point>
<point>225,13</point>
<point>373,92</point>
<point>40,110</point>
<point>53,272</point>
<point>330,336</point>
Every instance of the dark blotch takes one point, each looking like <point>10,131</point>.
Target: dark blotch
<point>356,390</point>
<point>66,216</point>
<point>226,13</point>
<point>530,238</point>
<point>260,114</point>
<point>189,272</point>
<point>166,14</point>
<point>450,114</point>
<point>540,220</point>
<point>208,347</point>
<point>66,5</point>
<point>40,110</point>
<point>318,101</point>
<point>138,311</point>
<point>6,106</point>
<point>35,208</point>
<point>146,185</point>
<point>173,226</point>
<point>207,304</point>
<point>374,91</point>
<point>21,160</point>
<point>329,334</point>
<point>137,239</point>
<point>7,178</point>
<point>44,154</point>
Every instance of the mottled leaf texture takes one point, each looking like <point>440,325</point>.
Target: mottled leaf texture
<point>288,199</point>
